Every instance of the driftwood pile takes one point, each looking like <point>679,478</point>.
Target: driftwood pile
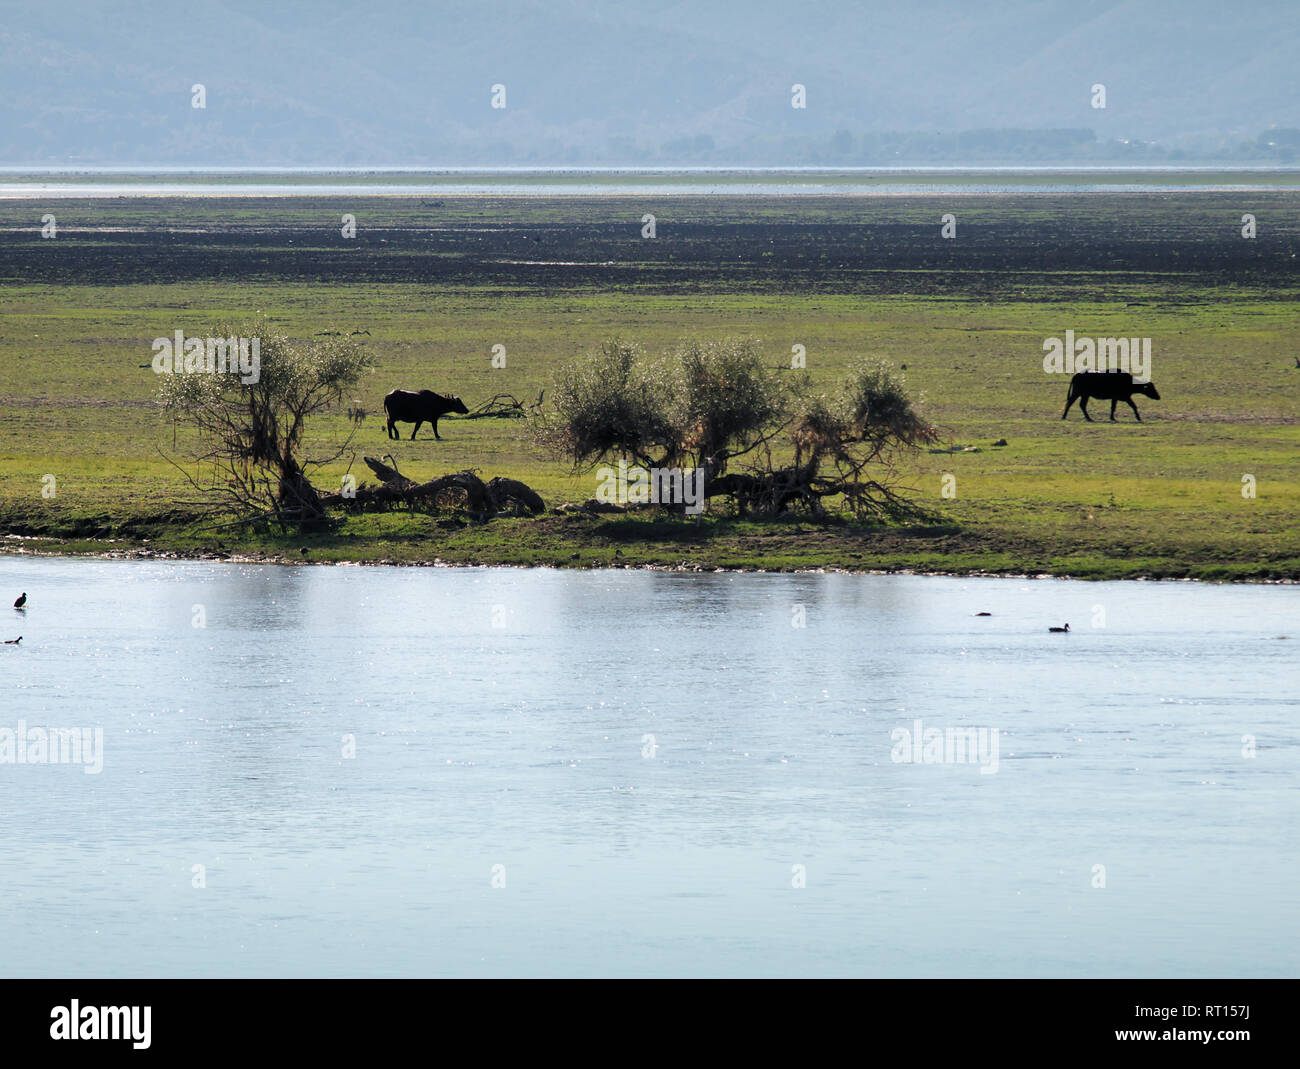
<point>503,406</point>
<point>462,489</point>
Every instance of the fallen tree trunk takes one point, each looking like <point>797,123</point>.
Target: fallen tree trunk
<point>464,488</point>
<point>464,483</point>
<point>504,491</point>
<point>389,476</point>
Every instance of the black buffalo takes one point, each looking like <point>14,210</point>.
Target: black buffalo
<point>422,406</point>
<point>1112,386</point>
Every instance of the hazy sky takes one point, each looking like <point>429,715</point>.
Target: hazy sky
<point>403,81</point>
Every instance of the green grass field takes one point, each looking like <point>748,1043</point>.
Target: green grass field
<point>438,284</point>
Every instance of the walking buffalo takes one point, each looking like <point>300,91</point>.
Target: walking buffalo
<point>1112,386</point>
<point>422,406</point>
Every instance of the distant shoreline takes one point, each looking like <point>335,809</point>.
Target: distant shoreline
<point>142,553</point>
<point>69,182</point>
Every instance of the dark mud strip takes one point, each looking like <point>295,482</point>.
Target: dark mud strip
<point>1010,248</point>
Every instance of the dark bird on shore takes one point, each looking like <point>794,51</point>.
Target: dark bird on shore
<point>21,601</point>
<point>1062,630</point>
<point>13,641</point>
<point>303,550</point>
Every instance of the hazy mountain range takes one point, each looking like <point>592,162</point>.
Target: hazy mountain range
<point>398,82</point>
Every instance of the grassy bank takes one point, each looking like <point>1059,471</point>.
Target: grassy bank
<point>438,284</point>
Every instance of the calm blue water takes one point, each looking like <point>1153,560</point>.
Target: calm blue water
<point>501,718</point>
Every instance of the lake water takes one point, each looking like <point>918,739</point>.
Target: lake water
<point>645,760</point>
<point>18,183</point>
<point>67,190</point>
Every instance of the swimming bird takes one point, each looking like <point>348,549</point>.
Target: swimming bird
<point>1061,629</point>
<point>21,601</point>
<point>983,614</point>
<point>13,641</point>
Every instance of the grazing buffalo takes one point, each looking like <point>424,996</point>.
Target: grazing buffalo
<point>423,406</point>
<point>1112,386</point>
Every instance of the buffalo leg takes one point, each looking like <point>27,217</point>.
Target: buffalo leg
<point>1135,409</point>
<point>418,423</point>
<point>1113,402</point>
<point>1083,407</point>
<point>392,430</point>
<point>435,431</point>
<point>1068,402</point>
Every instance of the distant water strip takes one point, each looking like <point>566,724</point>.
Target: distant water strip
<point>32,185</point>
